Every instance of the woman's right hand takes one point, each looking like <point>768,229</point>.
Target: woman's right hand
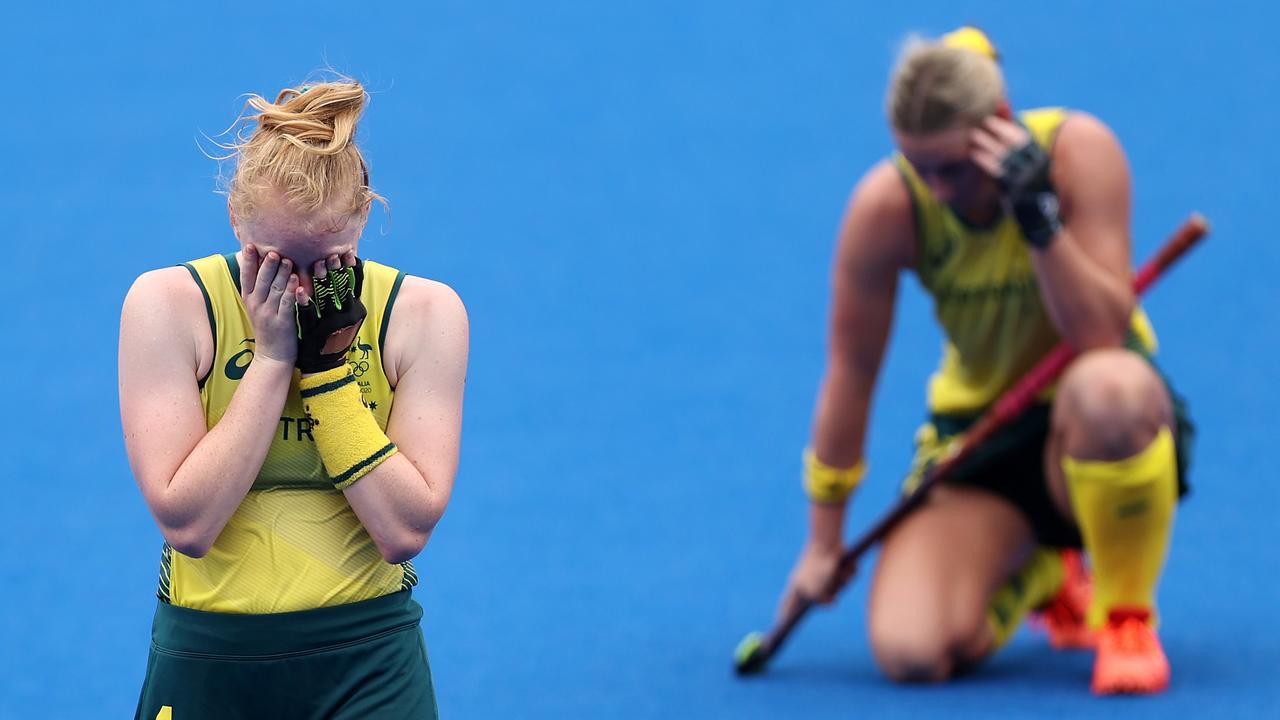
<point>812,577</point>
<point>269,288</point>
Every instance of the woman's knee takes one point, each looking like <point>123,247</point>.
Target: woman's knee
<point>911,657</point>
<point>1110,404</point>
<point>918,650</point>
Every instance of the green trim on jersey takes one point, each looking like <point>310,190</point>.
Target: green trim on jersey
<point>213,322</point>
<point>386,315</point>
<point>985,292</point>
<point>294,543</point>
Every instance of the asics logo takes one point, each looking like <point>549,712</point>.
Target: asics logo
<point>238,363</point>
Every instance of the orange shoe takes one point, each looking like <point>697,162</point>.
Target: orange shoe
<point>1130,659</point>
<point>1063,619</point>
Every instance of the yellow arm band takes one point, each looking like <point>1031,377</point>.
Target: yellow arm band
<point>347,435</point>
<point>826,484</point>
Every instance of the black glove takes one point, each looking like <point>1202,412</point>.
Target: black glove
<point>1024,178</point>
<point>332,319</point>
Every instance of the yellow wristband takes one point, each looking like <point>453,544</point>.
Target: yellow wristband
<point>826,484</point>
<point>347,435</point>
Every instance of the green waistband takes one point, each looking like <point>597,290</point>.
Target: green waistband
<point>183,630</point>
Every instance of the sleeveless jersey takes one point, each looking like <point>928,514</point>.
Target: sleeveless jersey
<point>985,293</point>
<point>294,543</point>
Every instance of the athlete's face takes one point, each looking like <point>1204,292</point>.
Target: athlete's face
<point>303,238</point>
<point>942,160</point>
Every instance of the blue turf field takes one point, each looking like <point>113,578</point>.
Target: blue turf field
<point>637,202</point>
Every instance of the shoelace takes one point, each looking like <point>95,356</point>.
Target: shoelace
<point>1132,636</point>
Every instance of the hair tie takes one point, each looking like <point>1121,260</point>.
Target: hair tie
<point>973,39</point>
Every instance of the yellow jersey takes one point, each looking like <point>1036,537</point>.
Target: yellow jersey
<point>985,293</point>
<point>294,543</point>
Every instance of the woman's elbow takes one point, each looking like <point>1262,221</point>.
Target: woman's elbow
<point>404,546</point>
<point>189,541</point>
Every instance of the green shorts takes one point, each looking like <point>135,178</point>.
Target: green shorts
<point>363,660</point>
<point>1011,464</point>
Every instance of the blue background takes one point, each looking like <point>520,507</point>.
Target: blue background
<point>637,202</point>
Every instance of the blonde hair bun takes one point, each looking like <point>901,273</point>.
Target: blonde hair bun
<point>302,145</point>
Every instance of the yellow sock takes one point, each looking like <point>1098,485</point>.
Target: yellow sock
<point>1125,512</point>
<point>1032,586</point>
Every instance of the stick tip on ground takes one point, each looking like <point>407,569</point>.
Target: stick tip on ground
<point>749,656</point>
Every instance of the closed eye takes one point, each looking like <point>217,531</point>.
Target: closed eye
<point>946,171</point>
